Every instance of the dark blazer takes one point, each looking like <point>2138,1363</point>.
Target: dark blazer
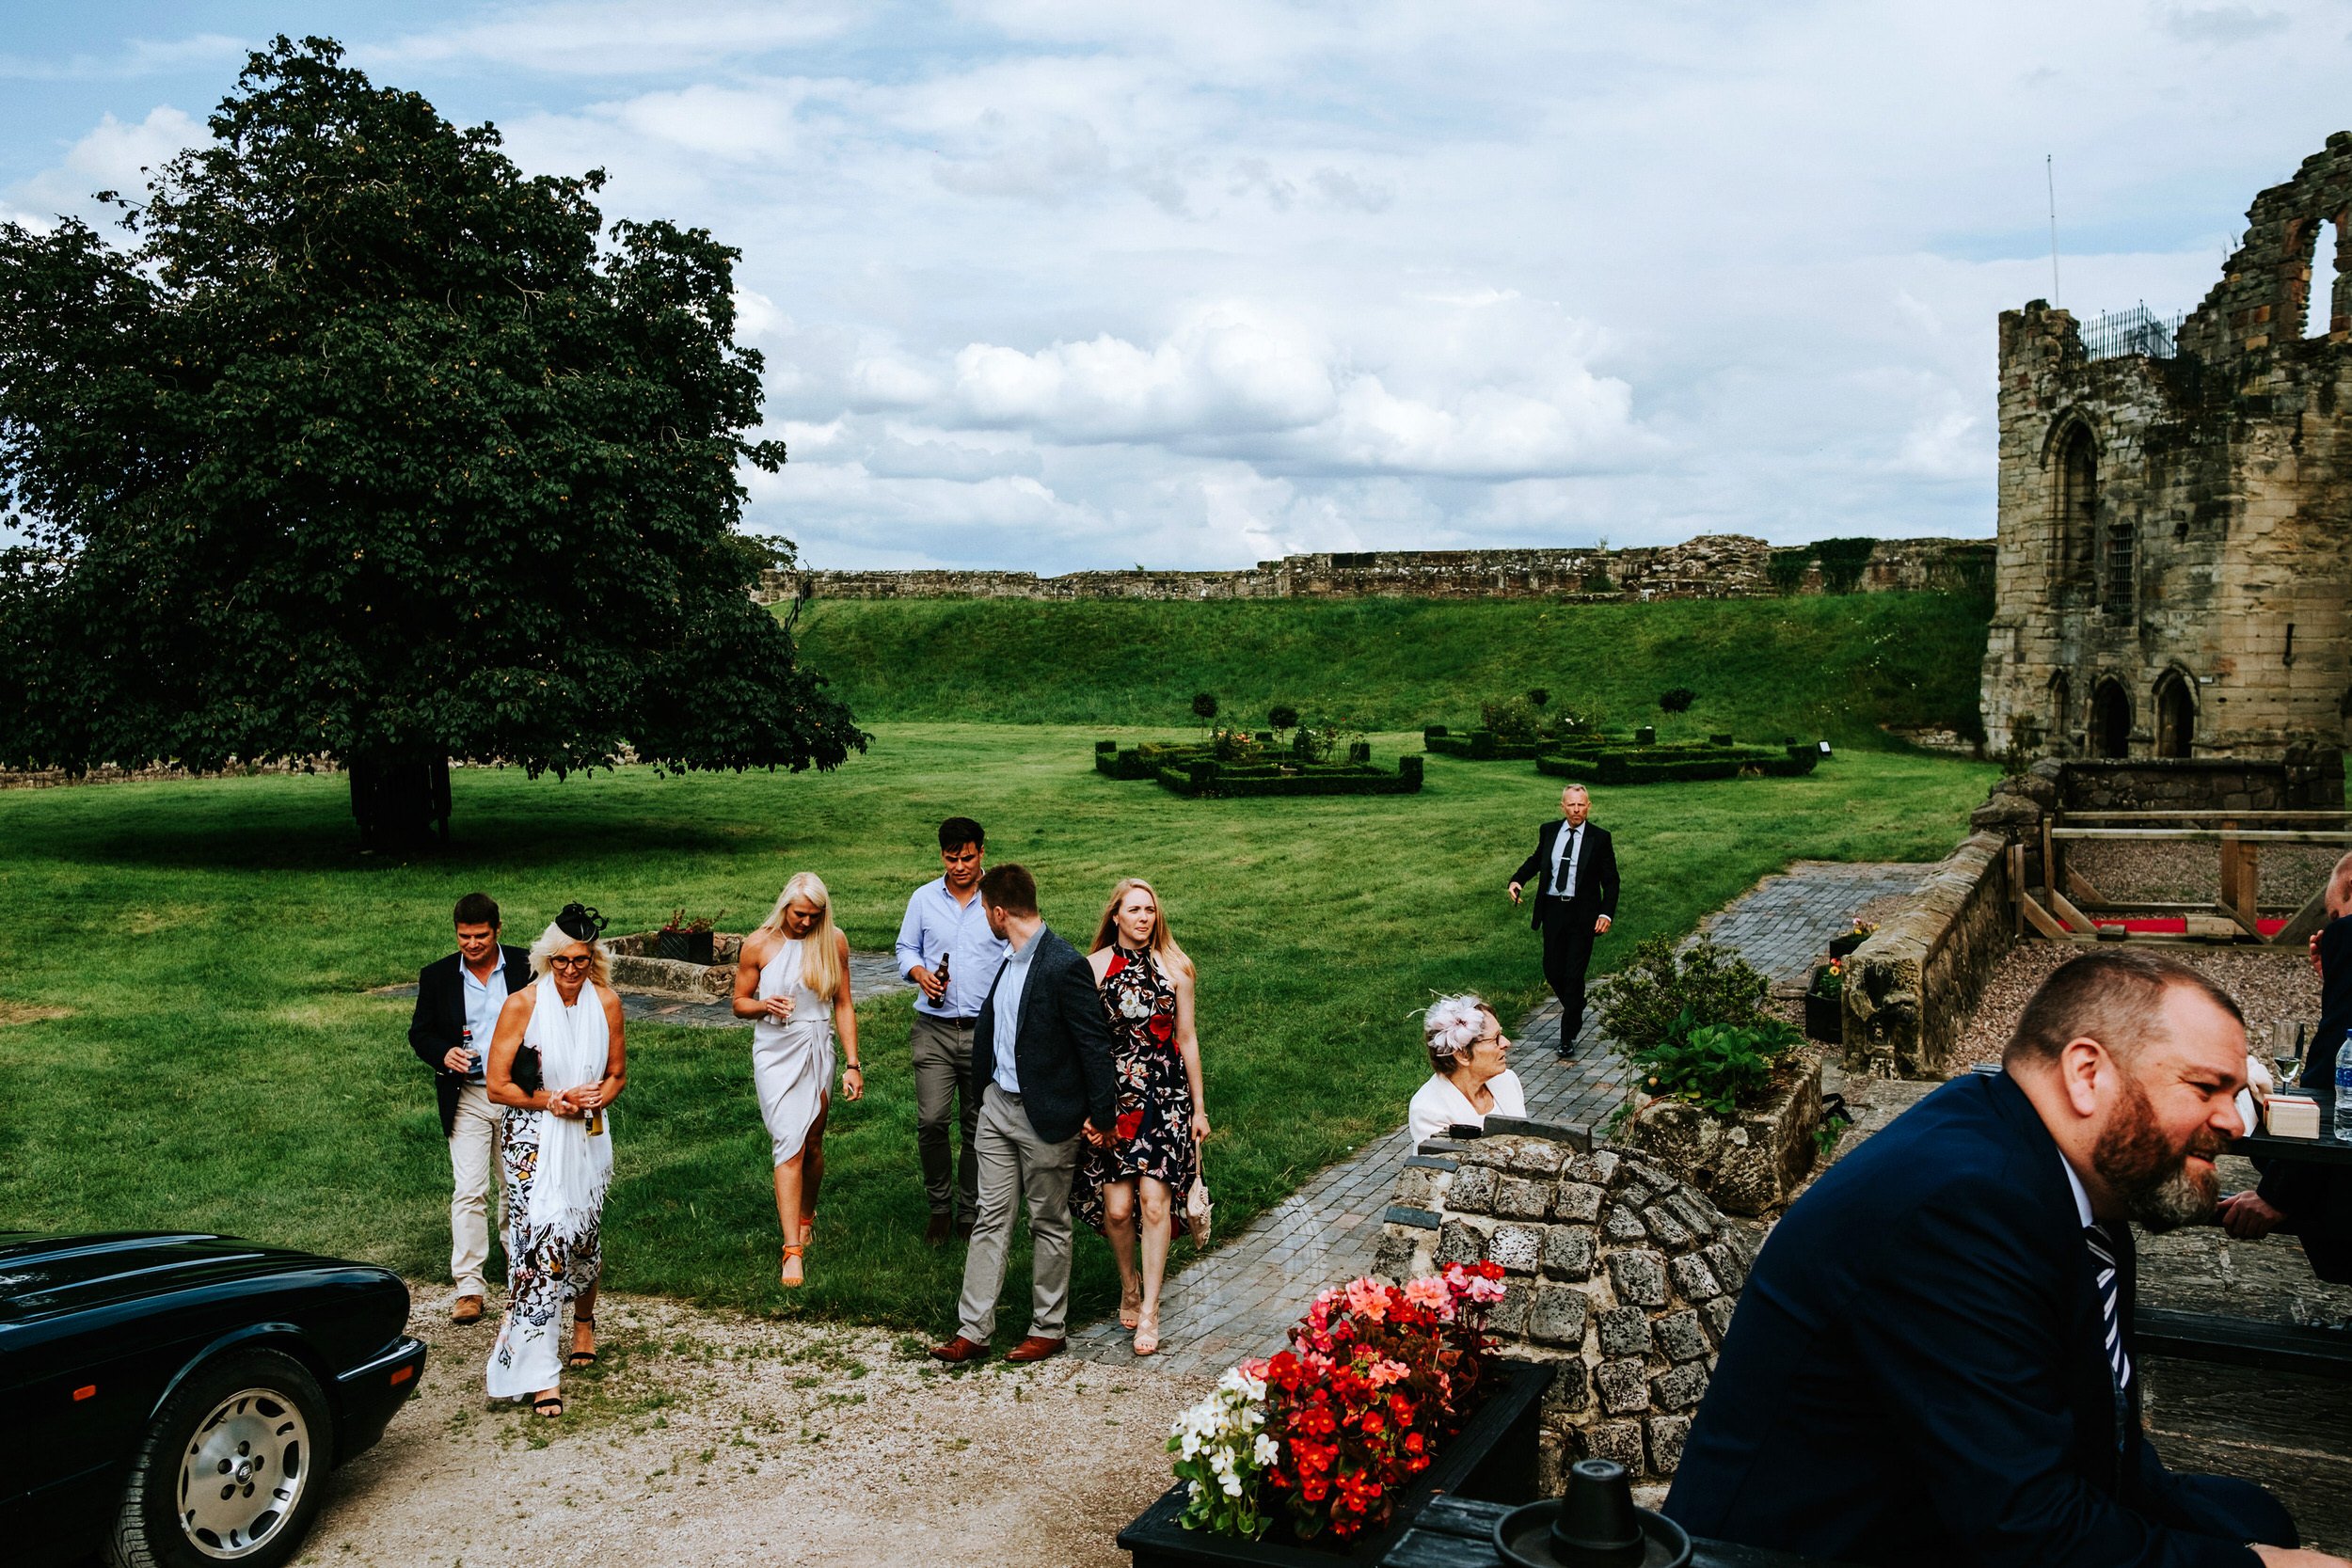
<point>1062,1054</point>
<point>1595,875</point>
<point>1917,1371</point>
<point>2316,1199</point>
<point>438,1024</point>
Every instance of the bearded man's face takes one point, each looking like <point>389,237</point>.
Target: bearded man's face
<point>2172,1113</point>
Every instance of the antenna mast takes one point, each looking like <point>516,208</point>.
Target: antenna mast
<point>2049,175</point>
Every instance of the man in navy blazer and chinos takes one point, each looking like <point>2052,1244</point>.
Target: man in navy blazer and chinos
<point>1932,1361</point>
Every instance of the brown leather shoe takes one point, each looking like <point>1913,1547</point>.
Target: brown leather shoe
<point>936,1233</point>
<point>959,1350</point>
<point>466,1310</point>
<point>1036,1347</point>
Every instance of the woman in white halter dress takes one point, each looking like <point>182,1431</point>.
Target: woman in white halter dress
<point>557,1156</point>
<point>792,980</point>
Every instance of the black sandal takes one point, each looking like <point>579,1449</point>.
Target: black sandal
<point>547,1407</point>
<point>582,1358</point>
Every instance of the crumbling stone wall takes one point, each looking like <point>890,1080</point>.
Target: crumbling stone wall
<point>1713,566</point>
<point>1911,988</point>
<point>1618,1275</point>
<point>2179,530</point>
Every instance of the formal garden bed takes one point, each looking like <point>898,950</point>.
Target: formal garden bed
<point>1642,759</point>
<point>1237,764</point>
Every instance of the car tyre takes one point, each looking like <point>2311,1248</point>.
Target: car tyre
<point>232,1472</point>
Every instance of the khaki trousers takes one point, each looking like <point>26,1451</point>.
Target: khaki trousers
<point>941,1049</point>
<point>1016,1163</point>
<point>473,1165</point>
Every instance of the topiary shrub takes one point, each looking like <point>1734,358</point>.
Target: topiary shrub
<point>1283,717</point>
<point>1204,706</point>
<point>1677,699</point>
<point>1512,718</point>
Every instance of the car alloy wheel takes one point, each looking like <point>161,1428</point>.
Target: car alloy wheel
<point>243,1473</point>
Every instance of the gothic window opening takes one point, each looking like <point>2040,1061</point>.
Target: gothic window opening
<point>2110,720</point>
<point>2319,291</point>
<point>2176,716</point>
<point>2077,507</point>
<point>2061,710</point>
<point>2115,586</point>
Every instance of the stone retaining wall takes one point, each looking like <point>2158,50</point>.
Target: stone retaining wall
<point>1912,988</point>
<point>1713,566</point>
<point>2304,781</point>
<point>1618,1275</point>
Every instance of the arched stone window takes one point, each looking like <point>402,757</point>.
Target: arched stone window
<point>2176,715</point>
<point>2061,711</point>
<point>2110,720</point>
<point>2076,532</point>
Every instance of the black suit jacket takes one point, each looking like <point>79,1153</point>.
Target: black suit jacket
<point>1063,1051</point>
<point>1918,1374</point>
<point>438,1024</point>
<point>1596,875</point>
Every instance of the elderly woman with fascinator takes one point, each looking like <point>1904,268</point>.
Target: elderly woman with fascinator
<point>1467,1080</point>
<point>793,982</point>
<point>556,1064</point>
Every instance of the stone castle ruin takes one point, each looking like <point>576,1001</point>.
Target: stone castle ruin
<point>2174,554</point>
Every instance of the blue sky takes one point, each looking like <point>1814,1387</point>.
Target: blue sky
<point>1066,283</point>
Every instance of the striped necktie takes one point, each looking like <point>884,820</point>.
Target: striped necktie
<point>2110,1301</point>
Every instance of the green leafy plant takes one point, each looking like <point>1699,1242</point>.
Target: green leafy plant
<point>1826,1135</point>
<point>1677,699</point>
<point>1830,982</point>
<point>1283,717</point>
<point>1538,696</point>
<point>1513,718</point>
<point>1204,707</point>
<point>1713,1066</point>
<point>1662,993</point>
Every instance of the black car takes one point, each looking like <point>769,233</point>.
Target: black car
<point>176,1401</point>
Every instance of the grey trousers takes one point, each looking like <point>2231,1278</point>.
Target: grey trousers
<point>1015,1164</point>
<point>941,1049</point>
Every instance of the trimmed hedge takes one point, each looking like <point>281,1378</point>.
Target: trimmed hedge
<point>1144,761</point>
<point>1643,765</point>
<point>1207,777</point>
<point>1478,745</point>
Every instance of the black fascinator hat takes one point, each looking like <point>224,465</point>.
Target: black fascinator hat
<point>581,923</point>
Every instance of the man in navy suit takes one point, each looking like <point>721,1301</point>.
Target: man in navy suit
<point>458,998</point>
<point>1042,1059</point>
<point>1932,1362</point>
<point>1574,871</point>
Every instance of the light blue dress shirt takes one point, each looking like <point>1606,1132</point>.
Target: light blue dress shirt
<point>1009,985</point>
<point>483,1000</point>
<point>937,927</point>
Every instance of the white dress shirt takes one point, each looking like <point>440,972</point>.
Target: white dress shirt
<point>1438,1104</point>
<point>1571,843</point>
<point>1011,982</point>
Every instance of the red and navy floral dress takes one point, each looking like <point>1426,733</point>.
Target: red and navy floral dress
<point>1154,1130</point>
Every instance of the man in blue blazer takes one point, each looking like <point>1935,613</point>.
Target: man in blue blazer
<point>1041,1062</point>
<point>1932,1362</point>
<point>1574,873</point>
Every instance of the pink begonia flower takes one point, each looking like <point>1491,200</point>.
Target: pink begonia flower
<point>1368,1299</point>
<point>1484,1290</point>
<point>1428,1291</point>
<point>1385,1371</point>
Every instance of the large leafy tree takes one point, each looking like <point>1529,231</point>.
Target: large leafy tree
<point>362,445</point>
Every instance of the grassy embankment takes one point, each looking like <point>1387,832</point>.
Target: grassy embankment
<point>1834,666</point>
<point>218,1063</point>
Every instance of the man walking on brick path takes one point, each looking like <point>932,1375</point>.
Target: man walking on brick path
<point>458,1000</point>
<point>945,947</point>
<point>1574,870</point>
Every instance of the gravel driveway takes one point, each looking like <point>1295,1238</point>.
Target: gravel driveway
<point>707,1438</point>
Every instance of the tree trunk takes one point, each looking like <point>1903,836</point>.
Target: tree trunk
<point>402,805</point>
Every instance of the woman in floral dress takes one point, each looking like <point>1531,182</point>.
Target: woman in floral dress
<point>1154,1153</point>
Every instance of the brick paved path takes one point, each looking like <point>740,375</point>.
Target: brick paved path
<point>1239,1300</point>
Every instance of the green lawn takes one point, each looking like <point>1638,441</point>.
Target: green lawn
<point>1830,665</point>
<point>219,1066</point>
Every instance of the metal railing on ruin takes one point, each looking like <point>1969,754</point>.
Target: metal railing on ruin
<point>2118,334</point>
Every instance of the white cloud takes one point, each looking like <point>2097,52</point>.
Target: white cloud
<point>113,156</point>
<point>609,37</point>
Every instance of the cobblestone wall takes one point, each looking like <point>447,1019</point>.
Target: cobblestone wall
<point>1713,566</point>
<point>1911,989</point>
<point>1618,1275</point>
<point>2174,565</point>
<point>2306,781</point>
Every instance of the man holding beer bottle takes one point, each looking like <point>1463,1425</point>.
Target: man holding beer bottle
<point>458,1000</point>
<point>947,949</point>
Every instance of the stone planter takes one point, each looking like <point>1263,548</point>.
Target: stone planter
<point>637,966</point>
<point>1749,1165</point>
<point>1492,1459</point>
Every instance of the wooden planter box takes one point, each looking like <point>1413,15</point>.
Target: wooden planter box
<point>1492,1459</point>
